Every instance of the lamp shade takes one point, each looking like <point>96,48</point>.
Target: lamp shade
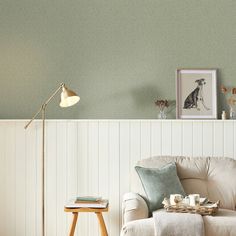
<point>68,97</point>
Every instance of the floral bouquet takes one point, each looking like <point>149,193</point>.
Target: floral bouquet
<point>229,94</point>
<point>162,104</point>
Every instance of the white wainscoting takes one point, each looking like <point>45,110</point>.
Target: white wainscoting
<point>90,157</point>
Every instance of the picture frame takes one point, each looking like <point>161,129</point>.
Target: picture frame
<point>196,93</point>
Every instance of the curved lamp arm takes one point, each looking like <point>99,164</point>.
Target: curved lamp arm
<point>65,100</point>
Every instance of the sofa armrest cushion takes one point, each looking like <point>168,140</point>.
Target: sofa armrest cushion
<point>134,207</point>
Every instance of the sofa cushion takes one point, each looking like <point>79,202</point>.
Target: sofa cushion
<point>159,183</point>
<point>224,223</point>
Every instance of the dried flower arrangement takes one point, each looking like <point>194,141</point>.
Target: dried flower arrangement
<point>162,104</point>
<point>230,95</point>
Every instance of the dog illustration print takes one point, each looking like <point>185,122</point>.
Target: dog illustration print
<point>196,96</point>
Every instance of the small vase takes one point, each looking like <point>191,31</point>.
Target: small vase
<point>162,114</point>
<point>232,114</point>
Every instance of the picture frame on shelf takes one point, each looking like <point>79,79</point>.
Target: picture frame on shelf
<point>196,94</point>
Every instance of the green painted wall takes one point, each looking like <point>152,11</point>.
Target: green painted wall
<point>119,55</point>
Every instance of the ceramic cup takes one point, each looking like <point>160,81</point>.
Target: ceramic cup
<point>175,199</point>
<point>186,200</point>
<point>194,199</point>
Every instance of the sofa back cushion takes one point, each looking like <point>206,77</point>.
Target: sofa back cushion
<point>212,177</point>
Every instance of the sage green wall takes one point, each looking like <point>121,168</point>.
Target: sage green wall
<point>119,55</point>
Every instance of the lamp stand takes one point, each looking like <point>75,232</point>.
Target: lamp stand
<point>43,111</point>
<point>43,170</point>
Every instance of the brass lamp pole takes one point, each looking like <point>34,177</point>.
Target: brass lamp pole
<point>68,98</point>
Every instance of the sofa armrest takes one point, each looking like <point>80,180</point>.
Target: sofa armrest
<point>143,227</point>
<point>134,207</point>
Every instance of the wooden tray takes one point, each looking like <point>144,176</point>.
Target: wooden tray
<point>210,208</point>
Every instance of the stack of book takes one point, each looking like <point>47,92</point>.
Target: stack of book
<point>88,199</point>
<point>87,202</point>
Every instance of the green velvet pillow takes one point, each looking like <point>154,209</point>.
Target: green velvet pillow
<point>159,183</point>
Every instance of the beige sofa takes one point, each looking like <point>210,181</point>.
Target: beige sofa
<point>214,178</point>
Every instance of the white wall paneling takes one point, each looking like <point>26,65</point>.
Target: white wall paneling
<point>197,138</point>
<point>218,138</point>
<point>176,138</point>
<point>229,138</point>
<point>3,177</point>
<point>90,157</point>
<point>187,138</point>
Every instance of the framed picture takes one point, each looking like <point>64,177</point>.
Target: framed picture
<point>196,95</point>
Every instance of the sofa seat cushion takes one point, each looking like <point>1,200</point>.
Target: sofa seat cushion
<point>224,223</point>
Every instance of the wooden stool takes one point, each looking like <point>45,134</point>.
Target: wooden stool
<point>97,211</point>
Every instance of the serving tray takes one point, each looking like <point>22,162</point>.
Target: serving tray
<point>210,208</point>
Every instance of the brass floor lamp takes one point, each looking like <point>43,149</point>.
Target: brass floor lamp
<point>68,98</point>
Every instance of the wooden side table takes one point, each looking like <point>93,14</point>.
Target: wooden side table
<point>97,211</point>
